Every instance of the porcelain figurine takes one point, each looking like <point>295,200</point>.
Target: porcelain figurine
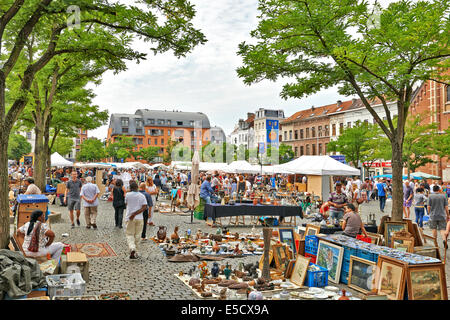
<point>255,295</point>
<point>203,270</point>
<point>161,234</point>
<point>215,270</point>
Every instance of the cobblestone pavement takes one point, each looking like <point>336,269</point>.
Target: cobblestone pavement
<point>152,276</point>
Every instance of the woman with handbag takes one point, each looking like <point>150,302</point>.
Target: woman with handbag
<point>119,202</point>
<point>38,238</point>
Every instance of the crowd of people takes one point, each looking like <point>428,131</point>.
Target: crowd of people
<point>134,195</point>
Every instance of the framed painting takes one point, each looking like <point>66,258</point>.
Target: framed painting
<point>289,268</point>
<point>427,282</point>
<point>330,257</point>
<point>361,274</point>
<point>418,234</point>
<point>286,235</point>
<point>402,243</point>
<point>261,260</point>
<point>390,278</point>
<point>281,256</point>
<point>300,269</point>
<point>389,230</point>
<point>301,231</point>
<point>375,238</point>
<point>312,230</point>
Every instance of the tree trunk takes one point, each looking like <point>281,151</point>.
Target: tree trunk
<point>397,181</point>
<point>267,232</point>
<point>4,202</point>
<point>39,158</point>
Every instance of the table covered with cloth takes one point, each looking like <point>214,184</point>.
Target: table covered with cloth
<point>243,209</point>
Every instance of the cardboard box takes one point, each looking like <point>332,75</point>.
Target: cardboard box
<point>61,188</point>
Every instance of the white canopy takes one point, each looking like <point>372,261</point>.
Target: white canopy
<point>241,166</point>
<point>274,170</point>
<point>92,165</point>
<point>58,161</point>
<point>319,165</point>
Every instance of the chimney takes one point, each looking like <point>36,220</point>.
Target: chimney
<point>312,108</point>
<point>339,103</point>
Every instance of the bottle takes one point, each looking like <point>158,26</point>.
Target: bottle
<point>344,297</point>
<point>49,256</point>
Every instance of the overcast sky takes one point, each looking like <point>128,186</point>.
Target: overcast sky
<point>206,79</point>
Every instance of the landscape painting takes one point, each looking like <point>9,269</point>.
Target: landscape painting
<point>329,256</point>
<point>390,279</point>
<point>391,228</point>
<point>361,274</point>
<point>427,283</point>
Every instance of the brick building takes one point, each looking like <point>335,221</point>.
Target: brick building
<point>308,131</point>
<point>153,128</point>
<point>433,100</point>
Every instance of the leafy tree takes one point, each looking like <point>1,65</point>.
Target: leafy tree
<point>171,144</point>
<point>62,145</point>
<point>326,43</point>
<point>121,148</point>
<point>91,150</point>
<point>18,146</point>
<point>149,154</point>
<point>353,143</point>
<point>105,30</point>
<point>442,143</point>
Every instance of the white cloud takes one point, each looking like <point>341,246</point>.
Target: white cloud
<point>206,79</point>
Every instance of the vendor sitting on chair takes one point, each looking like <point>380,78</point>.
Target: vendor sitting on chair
<point>207,192</point>
<point>38,238</point>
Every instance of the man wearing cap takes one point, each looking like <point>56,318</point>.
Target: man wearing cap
<point>89,195</point>
<point>337,201</point>
<point>31,187</point>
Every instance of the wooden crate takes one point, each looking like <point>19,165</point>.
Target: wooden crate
<point>30,207</point>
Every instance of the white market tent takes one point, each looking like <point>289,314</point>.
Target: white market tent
<point>92,165</point>
<point>320,166</point>
<point>57,160</point>
<point>241,166</point>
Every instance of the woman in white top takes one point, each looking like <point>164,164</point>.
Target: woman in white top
<point>38,238</point>
<point>152,189</point>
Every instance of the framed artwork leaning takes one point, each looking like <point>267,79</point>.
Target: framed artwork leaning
<point>390,277</point>
<point>403,244</point>
<point>312,230</point>
<point>287,236</point>
<point>299,271</point>
<point>391,228</point>
<point>261,260</point>
<point>361,275</point>
<point>376,238</point>
<point>427,282</point>
<point>330,257</point>
<point>281,256</point>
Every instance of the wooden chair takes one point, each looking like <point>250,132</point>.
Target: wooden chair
<point>19,242</point>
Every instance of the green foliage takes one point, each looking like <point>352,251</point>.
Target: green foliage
<point>149,153</point>
<point>91,150</point>
<point>18,146</point>
<point>121,148</point>
<point>62,145</point>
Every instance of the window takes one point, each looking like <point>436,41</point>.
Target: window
<point>307,133</point>
<point>448,93</point>
<point>285,135</point>
<point>78,142</point>
<point>168,131</point>
<point>307,149</point>
<point>124,122</point>
<point>301,133</point>
<point>296,151</point>
<point>327,131</point>
<point>333,128</point>
<point>138,123</point>
<point>319,131</point>
<point>156,141</point>
<point>341,127</point>
<point>149,141</point>
<point>139,130</point>
<point>161,121</point>
<point>290,134</point>
<point>191,123</point>
<point>124,130</point>
<point>79,131</point>
<point>320,149</point>
<point>179,123</point>
<point>162,141</point>
<point>296,134</point>
<point>313,132</point>
<point>301,151</point>
<point>313,149</point>
<point>326,146</point>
